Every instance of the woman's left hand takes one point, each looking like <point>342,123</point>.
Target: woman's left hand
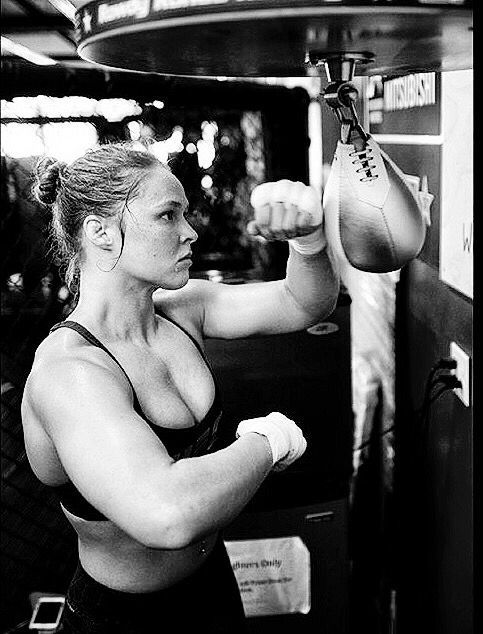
<point>285,209</point>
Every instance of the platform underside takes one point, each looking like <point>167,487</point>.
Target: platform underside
<point>274,42</point>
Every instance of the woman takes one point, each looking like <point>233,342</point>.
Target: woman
<point>120,410</point>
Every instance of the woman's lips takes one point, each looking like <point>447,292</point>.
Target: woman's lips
<point>186,260</point>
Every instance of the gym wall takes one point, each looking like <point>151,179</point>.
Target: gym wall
<point>434,464</point>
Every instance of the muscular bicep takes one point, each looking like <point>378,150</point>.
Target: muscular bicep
<point>108,452</point>
<point>265,308</point>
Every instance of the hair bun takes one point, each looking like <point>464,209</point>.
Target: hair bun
<point>48,174</point>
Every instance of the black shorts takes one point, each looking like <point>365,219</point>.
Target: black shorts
<point>207,601</point>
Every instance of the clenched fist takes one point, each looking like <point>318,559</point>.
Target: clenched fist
<point>285,210</point>
<point>286,439</point>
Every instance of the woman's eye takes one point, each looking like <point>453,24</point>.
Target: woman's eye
<point>168,215</point>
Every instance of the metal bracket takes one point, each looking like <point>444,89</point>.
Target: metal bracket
<point>341,95</point>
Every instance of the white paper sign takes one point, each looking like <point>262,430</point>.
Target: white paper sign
<point>456,241</point>
<point>273,575</point>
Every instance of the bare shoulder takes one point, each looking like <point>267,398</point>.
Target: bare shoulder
<point>67,367</point>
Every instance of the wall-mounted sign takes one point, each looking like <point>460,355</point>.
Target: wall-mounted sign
<point>456,230</point>
<point>406,105</point>
<point>410,91</point>
<point>273,575</point>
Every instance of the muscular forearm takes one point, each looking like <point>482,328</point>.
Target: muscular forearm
<point>313,282</point>
<point>291,210</point>
<point>210,491</point>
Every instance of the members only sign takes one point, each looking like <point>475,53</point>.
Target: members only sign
<point>273,575</point>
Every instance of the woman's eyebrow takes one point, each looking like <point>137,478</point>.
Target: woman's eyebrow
<point>171,203</point>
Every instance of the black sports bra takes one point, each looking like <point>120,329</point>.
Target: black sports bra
<point>180,443</point>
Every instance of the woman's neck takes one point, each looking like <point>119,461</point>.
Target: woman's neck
<point>119,310</point>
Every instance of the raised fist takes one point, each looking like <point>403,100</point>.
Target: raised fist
<point>285,209</point>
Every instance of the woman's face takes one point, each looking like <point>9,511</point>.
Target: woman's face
<point>158,238</point>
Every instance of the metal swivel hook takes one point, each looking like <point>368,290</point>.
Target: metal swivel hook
<point>340,96</point>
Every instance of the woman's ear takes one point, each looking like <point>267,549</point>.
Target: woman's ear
<point>97,231</point>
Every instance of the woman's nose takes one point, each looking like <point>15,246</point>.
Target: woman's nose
<point>187,232</point>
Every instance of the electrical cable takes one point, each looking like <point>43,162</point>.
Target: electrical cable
<point>449,382</point>
<point>447,385</point>
<point>431,382</point>
<point>445,363</point>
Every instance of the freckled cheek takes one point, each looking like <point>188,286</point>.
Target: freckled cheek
<point>164,250</point>
<point>162,246</point>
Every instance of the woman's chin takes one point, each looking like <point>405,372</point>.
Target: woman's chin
<point>181,279</point>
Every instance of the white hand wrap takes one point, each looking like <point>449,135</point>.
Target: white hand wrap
<point>311,243</point>
<point>309,202</point>
<point>286,439</point>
